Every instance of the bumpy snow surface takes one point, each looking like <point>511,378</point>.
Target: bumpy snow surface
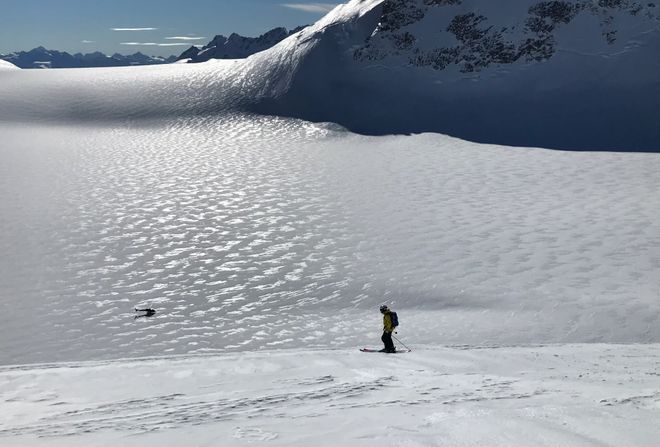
<point>249,233</point>
<point>266,245</point>
<point>595,395</point>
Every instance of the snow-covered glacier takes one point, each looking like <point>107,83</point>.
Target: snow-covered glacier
<point>162,186</point>
<point>267,206</point>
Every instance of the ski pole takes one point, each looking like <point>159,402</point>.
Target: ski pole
<point>404,345</point>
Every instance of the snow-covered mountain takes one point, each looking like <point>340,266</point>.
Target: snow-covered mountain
<point>575,74</point>
<point>41,57</point>
<point>473,36</point>
<point>571,74</point>
<point>4,65</point>
<point>236,46</point>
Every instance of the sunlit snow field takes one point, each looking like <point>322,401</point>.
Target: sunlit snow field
<point>255,232</point>
<point>569,395</point>
<point>526,280</point>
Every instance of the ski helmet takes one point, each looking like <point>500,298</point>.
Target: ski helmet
<point>384,308</point>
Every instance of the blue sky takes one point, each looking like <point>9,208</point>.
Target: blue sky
<point>118,25</point>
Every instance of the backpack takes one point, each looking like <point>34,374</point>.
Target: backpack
<point>395,319</point>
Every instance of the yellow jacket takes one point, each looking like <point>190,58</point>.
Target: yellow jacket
<point>387,322</point>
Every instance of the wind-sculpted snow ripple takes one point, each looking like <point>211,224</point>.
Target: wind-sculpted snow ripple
<point>221,235</point>
<point>578,395</point>
<point>176,410</point>
<point>249,233</point>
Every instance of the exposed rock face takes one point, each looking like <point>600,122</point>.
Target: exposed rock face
<point>236,46</point>
<point>568,74</point>
<point>473,41</point>
<point>189,53</point>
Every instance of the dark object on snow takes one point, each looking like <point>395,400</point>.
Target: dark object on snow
<point>148,312</point>
<point>387,341</point>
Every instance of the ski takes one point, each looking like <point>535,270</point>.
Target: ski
<point>398,351</point>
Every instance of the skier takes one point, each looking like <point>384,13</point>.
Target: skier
<point>388,328</point>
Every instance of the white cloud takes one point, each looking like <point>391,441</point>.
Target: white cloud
<point>88,41</point>
<point>184,38</point>
<point>311,7</point>
<point>155,44</point>
<point>133,29</point>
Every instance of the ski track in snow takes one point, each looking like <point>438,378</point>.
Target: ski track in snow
<point>547,395</point>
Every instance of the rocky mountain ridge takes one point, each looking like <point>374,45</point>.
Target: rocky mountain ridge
<point>474,41</point>
<point>220,47</point>
<point>41,57</point>
<point>569,74</point>
<point>236,46</point>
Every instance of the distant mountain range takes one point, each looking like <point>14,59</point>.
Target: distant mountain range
<point>236,46</point>
<point>233,47</point>
<point>41,57</point>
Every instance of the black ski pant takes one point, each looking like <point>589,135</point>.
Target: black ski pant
<point>387,340</point>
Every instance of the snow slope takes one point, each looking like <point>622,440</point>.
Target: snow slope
<point>156,186</point>
<point>97,95</point>
<point>590,80</point>
<point>573,395</point>
<point>254,233</point>
<point>4,65</point>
